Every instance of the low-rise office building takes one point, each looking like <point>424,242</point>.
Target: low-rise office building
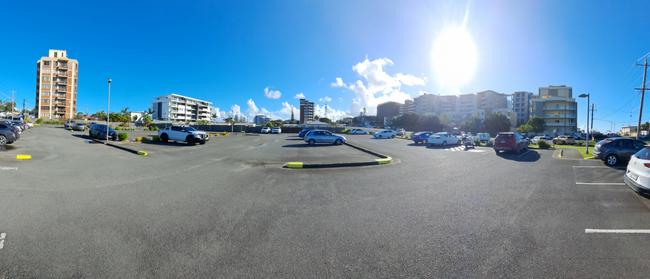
<point>558,108</point>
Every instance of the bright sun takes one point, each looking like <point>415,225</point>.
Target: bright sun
<point>454,58</point>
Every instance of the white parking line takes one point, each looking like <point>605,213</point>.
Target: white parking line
<point>592,167</point>
<point>600,183</point>
<point>616,231</point>
<point>8,168</point>
<point>2,240</point>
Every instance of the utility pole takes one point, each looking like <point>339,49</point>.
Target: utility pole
<point>645,70</point>
<point>23,108</point>
<point>13,103</point>
<point>592,120</point>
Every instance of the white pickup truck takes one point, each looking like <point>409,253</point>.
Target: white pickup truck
<point>185,134</point>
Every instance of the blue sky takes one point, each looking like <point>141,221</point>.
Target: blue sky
<point>228,52</point>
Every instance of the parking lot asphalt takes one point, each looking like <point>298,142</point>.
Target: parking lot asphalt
<point>85,210</point>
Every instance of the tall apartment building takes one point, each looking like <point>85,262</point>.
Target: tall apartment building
<point>306,111</point>
<point>521,106</point>
<point>558,108</point>
<point>407,107</point>
<point>56,86</point>
<point>460,107</point>
<point>261,119</point>
<point>178,108</point>
<point>386,111</point>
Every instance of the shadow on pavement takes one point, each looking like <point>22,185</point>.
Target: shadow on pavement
<point>7,147</point>
<point>293,139</point>
<point>169,143</point>
<point>528,156</point>
<point>307,145</point>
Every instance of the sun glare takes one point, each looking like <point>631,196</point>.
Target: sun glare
<point>454,58</point>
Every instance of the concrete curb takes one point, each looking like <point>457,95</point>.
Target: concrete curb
<point>127,149</point>
<point>383,160</point>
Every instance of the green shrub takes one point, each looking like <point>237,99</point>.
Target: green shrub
<point>153,128</point>
<point>543,145</point>
<point>122,136</point>
<point>39,121</point>
<point>155,138</point>
<point>345,131</point>
<point>489,143</point>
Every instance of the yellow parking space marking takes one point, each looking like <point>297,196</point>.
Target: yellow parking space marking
<point>384,161</point>
<point>295,165</point>
<point>143,153</point>
<point>23,156</point>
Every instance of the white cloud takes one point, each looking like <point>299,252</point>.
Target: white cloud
<point>299,96</point>
<point>218,114</point>
<point>338,83</point>
<point>235,110</point>
<point>377,86</point>
<point>272,94</point>
<point>325,99</point>
<point>329,112</point>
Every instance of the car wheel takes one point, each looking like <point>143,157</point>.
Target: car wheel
<point>190,140</point>
<point>3,140</point>
<point>611,160</point>
<point>338,142</point>
<point>164,138</point>
<point>311,142</point>
<point>202,142</point>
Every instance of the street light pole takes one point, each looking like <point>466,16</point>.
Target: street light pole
<point>108,110</point>
<point>587,126</point>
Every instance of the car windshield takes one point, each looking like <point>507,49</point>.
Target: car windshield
<point>190,129</point>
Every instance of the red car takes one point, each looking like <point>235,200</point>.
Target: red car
<point>509,141</point>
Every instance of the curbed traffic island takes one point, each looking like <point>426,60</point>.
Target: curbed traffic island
<point>121,147</point>
<point>382,160</point>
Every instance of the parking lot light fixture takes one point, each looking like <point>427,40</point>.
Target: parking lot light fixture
<point>586,95</point>
<point>108,110</point>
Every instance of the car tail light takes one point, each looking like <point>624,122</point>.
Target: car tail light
<point>647,165</point>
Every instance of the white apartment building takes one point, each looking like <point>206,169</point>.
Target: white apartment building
<point>178,108</point>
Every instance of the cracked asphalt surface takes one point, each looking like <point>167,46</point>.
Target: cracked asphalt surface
<point>228,210</point>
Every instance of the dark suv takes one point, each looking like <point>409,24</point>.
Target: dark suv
<point>509,141</point>
<point>7,134</point>
<point>615,150</point>
<point>98,131</point>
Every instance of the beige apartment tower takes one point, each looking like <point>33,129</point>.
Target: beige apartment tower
<point>56,86</point>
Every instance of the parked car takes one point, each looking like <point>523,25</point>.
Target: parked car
<point>385,134</point>
<point>185,134</point>
<point>358,132</point>
<point>400,132</point>
<point>265,130</point>
<point>637,175</point>
<point>7,134</point>
<point>79,126</point>
<point>615,150</point>
<point>564,140</point>
<point>537,139</point>
<point>509,141</point>
<point>68,124</point>
<point>483,137</point>
<point>303,132</point>
<point>276,130</point>
<point>23,126</point>
<point>17,129</point>
<point>322,136</point>
<point>421,137</point>
<point>98,131</point>
<point>442,138</point>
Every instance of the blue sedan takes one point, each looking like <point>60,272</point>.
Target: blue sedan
<point>322,136</point>
<point>421,137</point>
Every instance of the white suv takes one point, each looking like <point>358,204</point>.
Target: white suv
<point>183,134</point>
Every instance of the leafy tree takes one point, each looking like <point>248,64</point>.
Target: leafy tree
<point>429,123</point>
<point>101,115</point>
<point>202,122</point>
<point>325,120</point>
<point>146,119</point>
<point>496,123</point>
<point>525,128</point>
<point>645,126</point>
<point>473,125</point>
<point>537,124</point>
<point>80,115</point>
